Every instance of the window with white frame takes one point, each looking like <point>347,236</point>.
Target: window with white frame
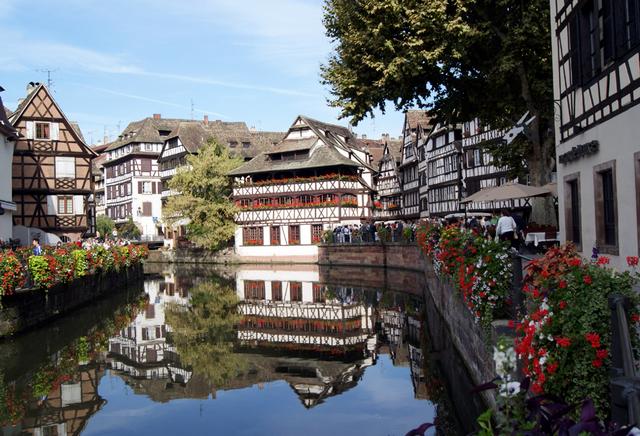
<point>43,131</point>
<point>146,187</point>
<point>65,167</point>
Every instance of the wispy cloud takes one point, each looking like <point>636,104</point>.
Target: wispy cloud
<point>286,34</point>
<point>149,99</point>
<point>27,54</point>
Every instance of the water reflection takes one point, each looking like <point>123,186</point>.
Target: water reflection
<point>359,351</point>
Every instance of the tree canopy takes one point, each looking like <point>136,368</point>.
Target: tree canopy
<point>204,198</point>
<point>460,59</point>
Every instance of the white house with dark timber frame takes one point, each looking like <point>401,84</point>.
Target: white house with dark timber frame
<point>8,136</point>
<point>596,71</point>
<point>313,180</point>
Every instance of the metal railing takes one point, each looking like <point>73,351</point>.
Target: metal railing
<point>625,384</point>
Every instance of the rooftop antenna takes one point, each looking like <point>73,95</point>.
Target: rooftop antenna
<point>192,109</point>
<point>49,79</point>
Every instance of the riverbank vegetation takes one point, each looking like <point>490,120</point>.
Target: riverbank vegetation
<point>563,337</point>
<point>63,264</point>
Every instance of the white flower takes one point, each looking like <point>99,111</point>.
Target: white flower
<point>510,388</point>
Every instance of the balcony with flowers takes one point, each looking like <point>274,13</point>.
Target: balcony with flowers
<point>301,202</point>
<point>327,182</point>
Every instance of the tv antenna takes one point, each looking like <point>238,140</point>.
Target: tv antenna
<point>49,79</point>
<point>192,109</point>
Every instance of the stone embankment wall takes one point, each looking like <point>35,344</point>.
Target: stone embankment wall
<point>29,308</point>
<point>404,256</point>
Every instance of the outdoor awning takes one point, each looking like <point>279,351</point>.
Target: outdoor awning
<point>508,191</point>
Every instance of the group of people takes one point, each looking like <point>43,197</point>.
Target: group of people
<point>87,243</point>
<point>374,232</point>
<point>505,227</point>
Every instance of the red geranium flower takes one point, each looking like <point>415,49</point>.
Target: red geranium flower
<point>593,339</point>
<point>603,260</point>
<point>587,280</point>
<point>564,342</point>
<point>632,260</point>
<point>597,363</point>
<point>562,304</point>
<point>552,367</point>
<point>602,354</point>
<point>575,262</point>
<point>562,284</point>
<point>635,317</point>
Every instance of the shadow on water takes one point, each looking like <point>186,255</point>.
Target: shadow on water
<point>358,349</point>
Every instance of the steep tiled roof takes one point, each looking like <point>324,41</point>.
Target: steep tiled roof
<point>417,118</point>
<point>325,153</point>
<point>326,127</point>
<point>6,128</point>
<point>76,128</point>
<point>246,143</point>
<point>322,156</point>
<point>145,130</point>
<point>8,112</point>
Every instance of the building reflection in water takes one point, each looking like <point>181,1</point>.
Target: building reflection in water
<point>293,324</point>
<point>317,337</point>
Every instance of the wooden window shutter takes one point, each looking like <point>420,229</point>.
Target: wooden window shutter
<point>31,128</point>
<point>153,187</point>
<point>55,131</point>
<point>139,187</point>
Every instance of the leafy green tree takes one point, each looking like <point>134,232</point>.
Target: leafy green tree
<point>129,230</point>
<point>458,58</point>
<point>104,225</point>
<point>204,334</point>
<point>205,196</point>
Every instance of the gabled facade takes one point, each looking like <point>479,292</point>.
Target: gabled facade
<point>444,172</point>
<point>387,185</point>
<point>479,170</point>
<point>132,174</point>
<point>315,179</point>
<point>596,68</point>
<point>417,125</point>
<point>52,184</point>
<point>8,136</point>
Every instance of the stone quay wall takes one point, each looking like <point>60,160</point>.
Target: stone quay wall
<point>403,256</point>
<point>29,308</point>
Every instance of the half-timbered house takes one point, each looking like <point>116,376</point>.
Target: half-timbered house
<point>444,171</point>
<point>298,313</point>
<point>417,125</point>
<point>596,59</point>
<point>479,170</point>
<point>8,136</point>
<point>132,176</point>
<point>189,136</point>
<point>316,178</point>
<point>52,183</point>
<point>387,184</point>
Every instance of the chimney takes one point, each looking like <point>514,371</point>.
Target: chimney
<point>364,136</point>
<point>156,116</point>
<point>206,120</point>
<point>31,86</point>
<point>385,136</point>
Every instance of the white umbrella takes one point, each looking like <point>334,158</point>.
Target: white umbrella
<point>508,191</point>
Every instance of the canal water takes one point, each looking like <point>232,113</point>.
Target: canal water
<point>253,350</point>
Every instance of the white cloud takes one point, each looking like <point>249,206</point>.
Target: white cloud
<point>27,54</point>
<point>286,34</point>
<point>151,100</point>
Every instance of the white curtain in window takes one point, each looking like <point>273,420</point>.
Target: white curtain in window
<point>65,167</point>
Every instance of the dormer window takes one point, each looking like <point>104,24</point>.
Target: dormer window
<point>246,144</point>
<point>164,132</point>
<point>233,144</point>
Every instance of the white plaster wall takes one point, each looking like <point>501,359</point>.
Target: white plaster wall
<point>304,249</point>
<point>6,158</point>
<point>619,139</point>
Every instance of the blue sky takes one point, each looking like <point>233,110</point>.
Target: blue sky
<point>117,61</point>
